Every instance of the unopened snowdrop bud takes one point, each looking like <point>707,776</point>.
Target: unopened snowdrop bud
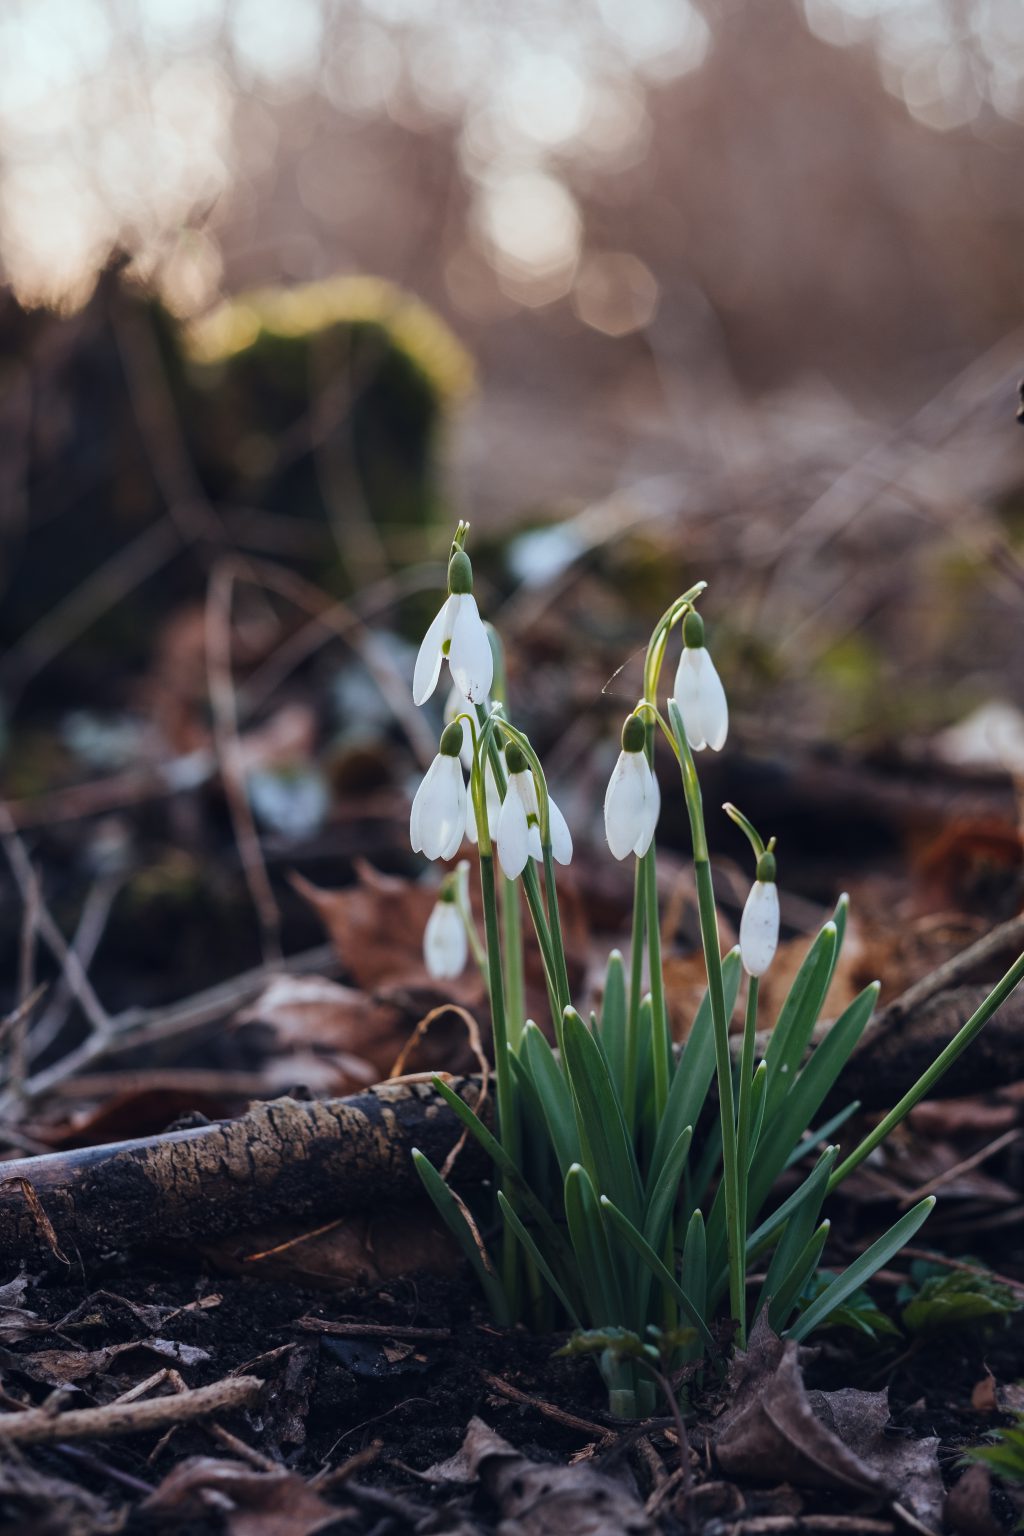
<point>698,690</point>
<point>632,800</point>
<point>759,925</point>
<point>457,633</point>
<point>437,823</point>
<point>445,945</point>
<point>517,834</point>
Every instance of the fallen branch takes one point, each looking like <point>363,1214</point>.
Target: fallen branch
<point>36,1426</point>
<point>282,1159</point>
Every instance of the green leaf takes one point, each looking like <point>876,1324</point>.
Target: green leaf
<point>795,1111</point>
<point>798,1015</point>
<point>814,1139</point>
<point>792,1284</point>
<point>662,1198</point>
<point>604,1139</point>
<point>692,1079</point>
<point>613,1016</point>
<point>661,1273</point>
<point>861,1270</point>
<point>760,1239</point>
<point>693,1271</point>
<point>555,1097</point>
<point>527,1240</point>
<point>597,1271</point>
<point>796,1234</point>
<point>858,1312</point>
<point>472,1245</point>
<point>957,1299</point>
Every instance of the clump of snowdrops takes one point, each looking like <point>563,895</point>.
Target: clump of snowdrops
<point>611,1217</point>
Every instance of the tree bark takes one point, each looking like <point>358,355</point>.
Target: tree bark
<point>282,1159</point>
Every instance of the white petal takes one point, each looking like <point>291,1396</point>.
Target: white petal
<point>470,655</point>
<point>445,947</point>
<point>686,692</point>
<point>714,708</point>
<point>513,834</point>
<point>759,927</point>
<point>421,802</point>
<point>438,821</point>
<point>624,804</point>
<point>428,659</point>
<point>493,805</point>
<point>561,837</point>
<point>652,810</point>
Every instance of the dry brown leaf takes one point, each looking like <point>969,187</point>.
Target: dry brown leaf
<point>353,1251</point>
<point>538,1499</point>
<point>968,1506</point>
<point>251,1503</point>
<point>775,1429</point>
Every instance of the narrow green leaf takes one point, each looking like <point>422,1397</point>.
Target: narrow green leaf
<point>792,1284</point>
<point>758,1096</point>
<point>861,1270</point>
<point>693,1275</point>
<point>529,1244</point>
<point>799,1224</point>
<point>599,1117</point>
<point>555,1097</point>
<point>658,1269</point>
<point>472,1246</point>
<point>613,1016</point>
<point>815,1139</point>
<point>799,1015</point>
<point>692,1079</point>
<point>796,1109</point>
<point>662,1197</point>
<point>760,1239</point>
<point>597,1271</point>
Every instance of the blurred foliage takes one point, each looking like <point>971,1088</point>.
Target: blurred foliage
<point>954,1299</point>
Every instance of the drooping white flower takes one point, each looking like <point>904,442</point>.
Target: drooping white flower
<point>445,945</point>
<point>759,926</point>
<point>698,691</point>
<point>437,822</point>
<point>517,834</point>
<point>493,806</point>
<point>457,632</point>
<point>632,800</point>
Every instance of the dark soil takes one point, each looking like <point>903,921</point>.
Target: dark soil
<point>411,1398</point>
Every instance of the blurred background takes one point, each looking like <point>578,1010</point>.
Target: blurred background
<point>649,290</point>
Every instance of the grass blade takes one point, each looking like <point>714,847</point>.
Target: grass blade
<point>529,1244</point>
<point>613,1016</point>
<point>659,1270</point>
<point>799,1015</point>
<point>456,1218</point>
<point>800,1271</point>
<point>555,1097</point>
<point>600,1121</point>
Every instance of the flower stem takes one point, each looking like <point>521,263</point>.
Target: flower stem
<point>636,981</point>
<point>716,992</point>
<point>515,983</point>
<point>508,1120</point>
<point>926,1082</point>
<point>743,1137</point>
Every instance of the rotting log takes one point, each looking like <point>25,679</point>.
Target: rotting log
<point>282,1159</point>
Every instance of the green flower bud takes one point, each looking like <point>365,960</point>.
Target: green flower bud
<point>460,574</point>
<point>766,867</point>
<point>451,740</point>
<point>515,758</point>
<point>693,630</point>
<point>634,734</point>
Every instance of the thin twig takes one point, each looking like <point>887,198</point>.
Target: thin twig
<point>35,1426</point>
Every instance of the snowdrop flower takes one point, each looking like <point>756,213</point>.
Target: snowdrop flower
<point>632,800</point>
<point>445,945</point>
<point>493,806</point>
<point>759,925</point>
<point>457,633</point>
<point>517,835</point>
<point>437,823</point>
<point>698,691</point>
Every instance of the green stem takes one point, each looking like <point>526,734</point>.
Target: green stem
<point>508,1120</point>
<point>716,992</point>
<point>515,982</point>
<point>743,1148</point>
<point>661,1045</point>
<point>942,1063</point>
<point>636,981</point>
<point>558,950</point>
